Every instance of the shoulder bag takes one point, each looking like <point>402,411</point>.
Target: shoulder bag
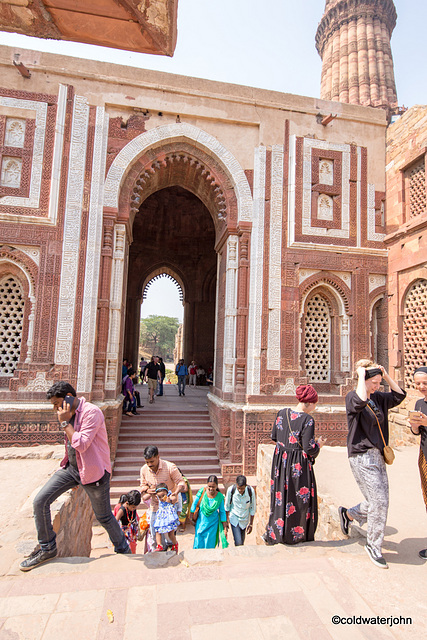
<point>388,452</point>
<point>195,513</point>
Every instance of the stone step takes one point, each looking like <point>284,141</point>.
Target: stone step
<point>134,453</point>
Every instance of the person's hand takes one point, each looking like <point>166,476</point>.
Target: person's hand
<point>418,421</point>
<point>361,372</point>
<point>321,441</point>
<point>249,529</point>
<point>64,412</point>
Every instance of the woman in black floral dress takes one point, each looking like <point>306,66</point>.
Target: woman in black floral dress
<point>293,506</point>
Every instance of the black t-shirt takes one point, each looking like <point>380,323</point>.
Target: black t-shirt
<point>363,431</point>
<point>151,370</point>
<point>421,405</point>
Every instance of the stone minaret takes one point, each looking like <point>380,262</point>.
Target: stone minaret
<point>353,40</point>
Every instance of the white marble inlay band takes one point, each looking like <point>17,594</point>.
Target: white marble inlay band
<point>40,109</point>
<point>72,227</point>
<point>93,254</point>
<point>275,259</point>
<point>256,270</point>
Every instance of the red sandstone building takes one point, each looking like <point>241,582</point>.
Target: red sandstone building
<point>267,210</point>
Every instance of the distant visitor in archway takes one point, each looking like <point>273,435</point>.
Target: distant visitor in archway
<point>181,371</point>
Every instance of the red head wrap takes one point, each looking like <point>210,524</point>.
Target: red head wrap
<point>306,393</point>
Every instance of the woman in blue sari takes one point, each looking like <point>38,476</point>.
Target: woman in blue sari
<point>209,517</point>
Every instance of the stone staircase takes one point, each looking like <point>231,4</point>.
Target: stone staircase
<point>183,437</point>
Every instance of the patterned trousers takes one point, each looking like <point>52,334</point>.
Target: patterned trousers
<point>370,474</point>
<point>422,466</point>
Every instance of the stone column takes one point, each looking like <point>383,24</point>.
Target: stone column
<point>344,87</point>
<point>353,65</point>
<point>362,55</point>
<point>335,94</point>
<point>372,62</point>
<point>380,62</point>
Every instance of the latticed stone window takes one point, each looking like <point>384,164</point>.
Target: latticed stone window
<point>317,339</point>
<point>415,330</point>
<point>417,188</point>
<point>11,322</point>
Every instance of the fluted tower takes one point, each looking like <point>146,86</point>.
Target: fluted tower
<point>353,40</point>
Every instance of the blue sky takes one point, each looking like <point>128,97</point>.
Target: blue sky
<point>269,45</point>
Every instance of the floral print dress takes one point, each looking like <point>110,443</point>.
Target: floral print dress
<point>293,501</point>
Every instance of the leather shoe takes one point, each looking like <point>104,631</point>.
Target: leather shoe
<point>36,558</point>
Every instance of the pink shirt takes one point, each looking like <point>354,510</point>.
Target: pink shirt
<point>90,442</point>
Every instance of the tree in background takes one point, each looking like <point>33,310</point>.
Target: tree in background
<point>157,335</point>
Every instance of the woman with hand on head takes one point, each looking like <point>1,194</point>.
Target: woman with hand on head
<point>293,502</point>
<point>367,417</point>
<point>418,422</point>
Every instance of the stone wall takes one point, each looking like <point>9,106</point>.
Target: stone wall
<point>406,225</point>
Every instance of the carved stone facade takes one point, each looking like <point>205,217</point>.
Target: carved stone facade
<point>406,219</point>
<point>353,40</point>
<point>271,224</point>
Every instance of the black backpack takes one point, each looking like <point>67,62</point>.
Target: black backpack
<point>233,491</point>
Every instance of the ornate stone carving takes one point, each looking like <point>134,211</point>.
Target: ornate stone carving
<point>275,259</point>
<point>93,250</point>
<point>414,326</point>
<point>11,323</point>
<point>15,132</point>
<point>169,133</point>
<point>256,270</point>
<point>72,226</point>
<point>11,170</point>
<point>38,384</point>
<point>326,171</point>
<point>317,339</point>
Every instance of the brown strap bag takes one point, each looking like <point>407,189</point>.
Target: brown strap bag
<point>388,452</point>
<point>195,513</point>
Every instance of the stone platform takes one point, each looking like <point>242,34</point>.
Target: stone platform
<point>261,592</point>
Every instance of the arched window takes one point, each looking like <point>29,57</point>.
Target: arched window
<point>415,330</point>
<point>317,339</point>
<point>11,323</point>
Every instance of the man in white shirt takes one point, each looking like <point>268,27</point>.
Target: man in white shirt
<point>240,506</point>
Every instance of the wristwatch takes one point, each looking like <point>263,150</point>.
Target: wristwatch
<point>64,424</point>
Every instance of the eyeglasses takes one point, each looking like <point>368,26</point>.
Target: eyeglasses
<point>374,408</point>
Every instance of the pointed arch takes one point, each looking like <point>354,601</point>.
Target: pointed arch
<point>174,133</point>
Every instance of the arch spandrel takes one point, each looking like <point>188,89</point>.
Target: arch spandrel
<point>200,142</point>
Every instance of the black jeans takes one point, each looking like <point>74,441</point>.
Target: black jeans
<point>99,495</point>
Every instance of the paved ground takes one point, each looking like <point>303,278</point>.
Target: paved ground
<point>253,592</point>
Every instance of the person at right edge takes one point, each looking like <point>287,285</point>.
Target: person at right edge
<point>418,422</point>
<point>367,417</point>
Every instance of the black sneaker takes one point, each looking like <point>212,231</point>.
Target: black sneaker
<point>344,520</point>
<point>377,560</point>
<point>36,558</point>
<point>423,554</point>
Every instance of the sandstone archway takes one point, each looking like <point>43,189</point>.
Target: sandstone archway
<point>184,203</point>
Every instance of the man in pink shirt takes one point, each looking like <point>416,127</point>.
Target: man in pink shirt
<point>86,462</point>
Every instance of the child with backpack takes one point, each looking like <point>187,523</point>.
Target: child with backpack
<point>240,507</point>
